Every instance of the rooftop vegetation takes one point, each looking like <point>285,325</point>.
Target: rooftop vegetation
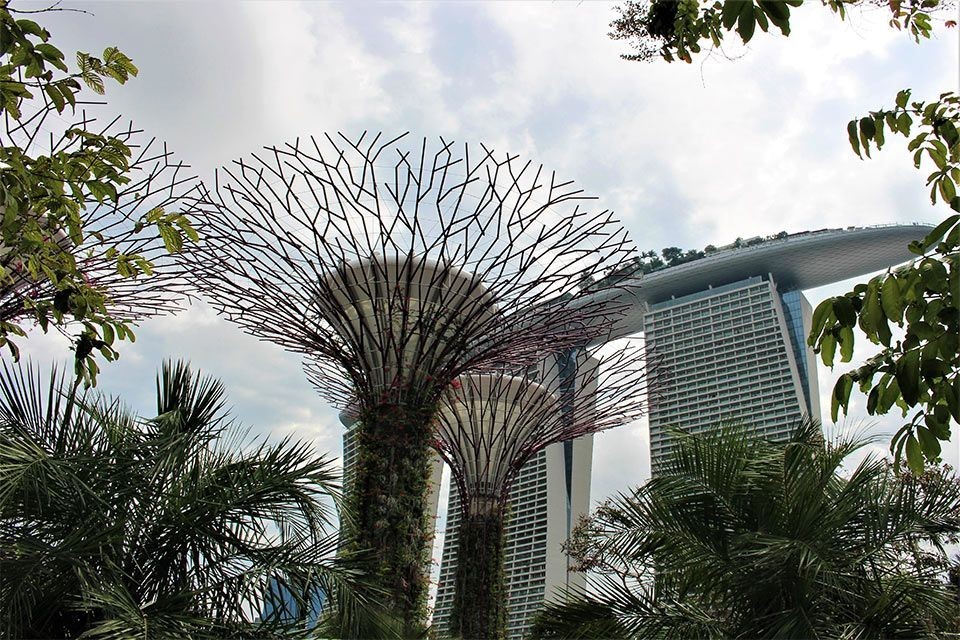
<point>650,261</point>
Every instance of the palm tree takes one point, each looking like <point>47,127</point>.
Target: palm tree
<point>745,538</point>
<point>114,526</point>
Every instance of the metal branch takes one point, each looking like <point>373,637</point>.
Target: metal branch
<point>395,265</point>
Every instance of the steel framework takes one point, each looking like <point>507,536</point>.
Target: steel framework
<point>395,266</point>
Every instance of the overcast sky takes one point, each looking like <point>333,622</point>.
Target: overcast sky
<point>687,155</point>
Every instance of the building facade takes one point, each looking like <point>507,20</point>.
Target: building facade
<point>732,353</point>
<point>728,331</point>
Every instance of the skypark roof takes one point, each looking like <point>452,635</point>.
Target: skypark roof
<point>799,261</point>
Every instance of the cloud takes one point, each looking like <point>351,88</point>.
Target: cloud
<point>318,74</point>
<point>621,460</point>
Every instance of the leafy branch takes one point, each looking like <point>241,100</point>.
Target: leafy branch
<point>46,198</point>
<point>923,368</point>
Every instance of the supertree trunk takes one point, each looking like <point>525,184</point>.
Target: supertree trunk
<point>388,497</point>
<point>479,604</point>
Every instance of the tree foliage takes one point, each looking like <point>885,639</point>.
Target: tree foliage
<point>745,538</point>
<point>679,29</point>
<point>117,526</point>
<point>45,194</point>
<point>922,370</point>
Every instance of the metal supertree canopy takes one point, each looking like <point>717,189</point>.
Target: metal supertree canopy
<point>399,264</point>
<point>439,296</point>
<point>490,424</point>
<point>483,427</point>
<point>156,180</point>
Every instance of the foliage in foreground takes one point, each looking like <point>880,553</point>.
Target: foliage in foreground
<point>52,193</point>
<point>116,526</point>
<point>922,370</point>
<point>745,538</point>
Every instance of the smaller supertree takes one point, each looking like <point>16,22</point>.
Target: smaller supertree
<point>96,252</point>
<point>490,424</point>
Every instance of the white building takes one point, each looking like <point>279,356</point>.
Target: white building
<point>728,331</point>
<point>732,353</point>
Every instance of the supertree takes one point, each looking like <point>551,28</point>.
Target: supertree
<point>117,252</point>
<point>395,266</point>
<point>490,424</point>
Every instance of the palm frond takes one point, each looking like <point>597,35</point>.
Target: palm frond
<point>741,537</point>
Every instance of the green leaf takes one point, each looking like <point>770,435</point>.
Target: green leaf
<point>914,455</point>
<point>914,144</point>
<point>891,120</point>
<point>904,121</point>
<point>938,232</point>
<point>729,13</point>
<point>172,239</point>
<point>31,27</point>
<point>890,299</point>
<point>123,266</point>
<point>844,311</point>
<point>948,190</point>
<point>828,345</point>
<point>902,98</point>
<point>56,96</point>
<point>888,396</point>
<point>952,399</point>
<point>779,13</point>
<point>871,315</point>
<point>929,443</point>
<point>820,316</point>
<point>761,18</point>
<point>878,134</point>
<point>101,190</point>
<point>873,398</point>
<point>939,158</point>
<point>854,137</point>
<point>184,224</point>
<point>746,23</point>
<point>145,265</point>
<point>841,395</point>
<point>846,341</point>
<point>108,335</point>
<point>908,376</point>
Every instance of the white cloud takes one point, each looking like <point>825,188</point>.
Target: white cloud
<point>317,76</point>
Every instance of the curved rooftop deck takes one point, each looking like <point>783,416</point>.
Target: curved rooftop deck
<point>799,261</point>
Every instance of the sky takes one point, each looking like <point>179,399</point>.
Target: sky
<point>749,141</point>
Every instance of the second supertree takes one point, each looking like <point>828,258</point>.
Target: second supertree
<point>491,424</point>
